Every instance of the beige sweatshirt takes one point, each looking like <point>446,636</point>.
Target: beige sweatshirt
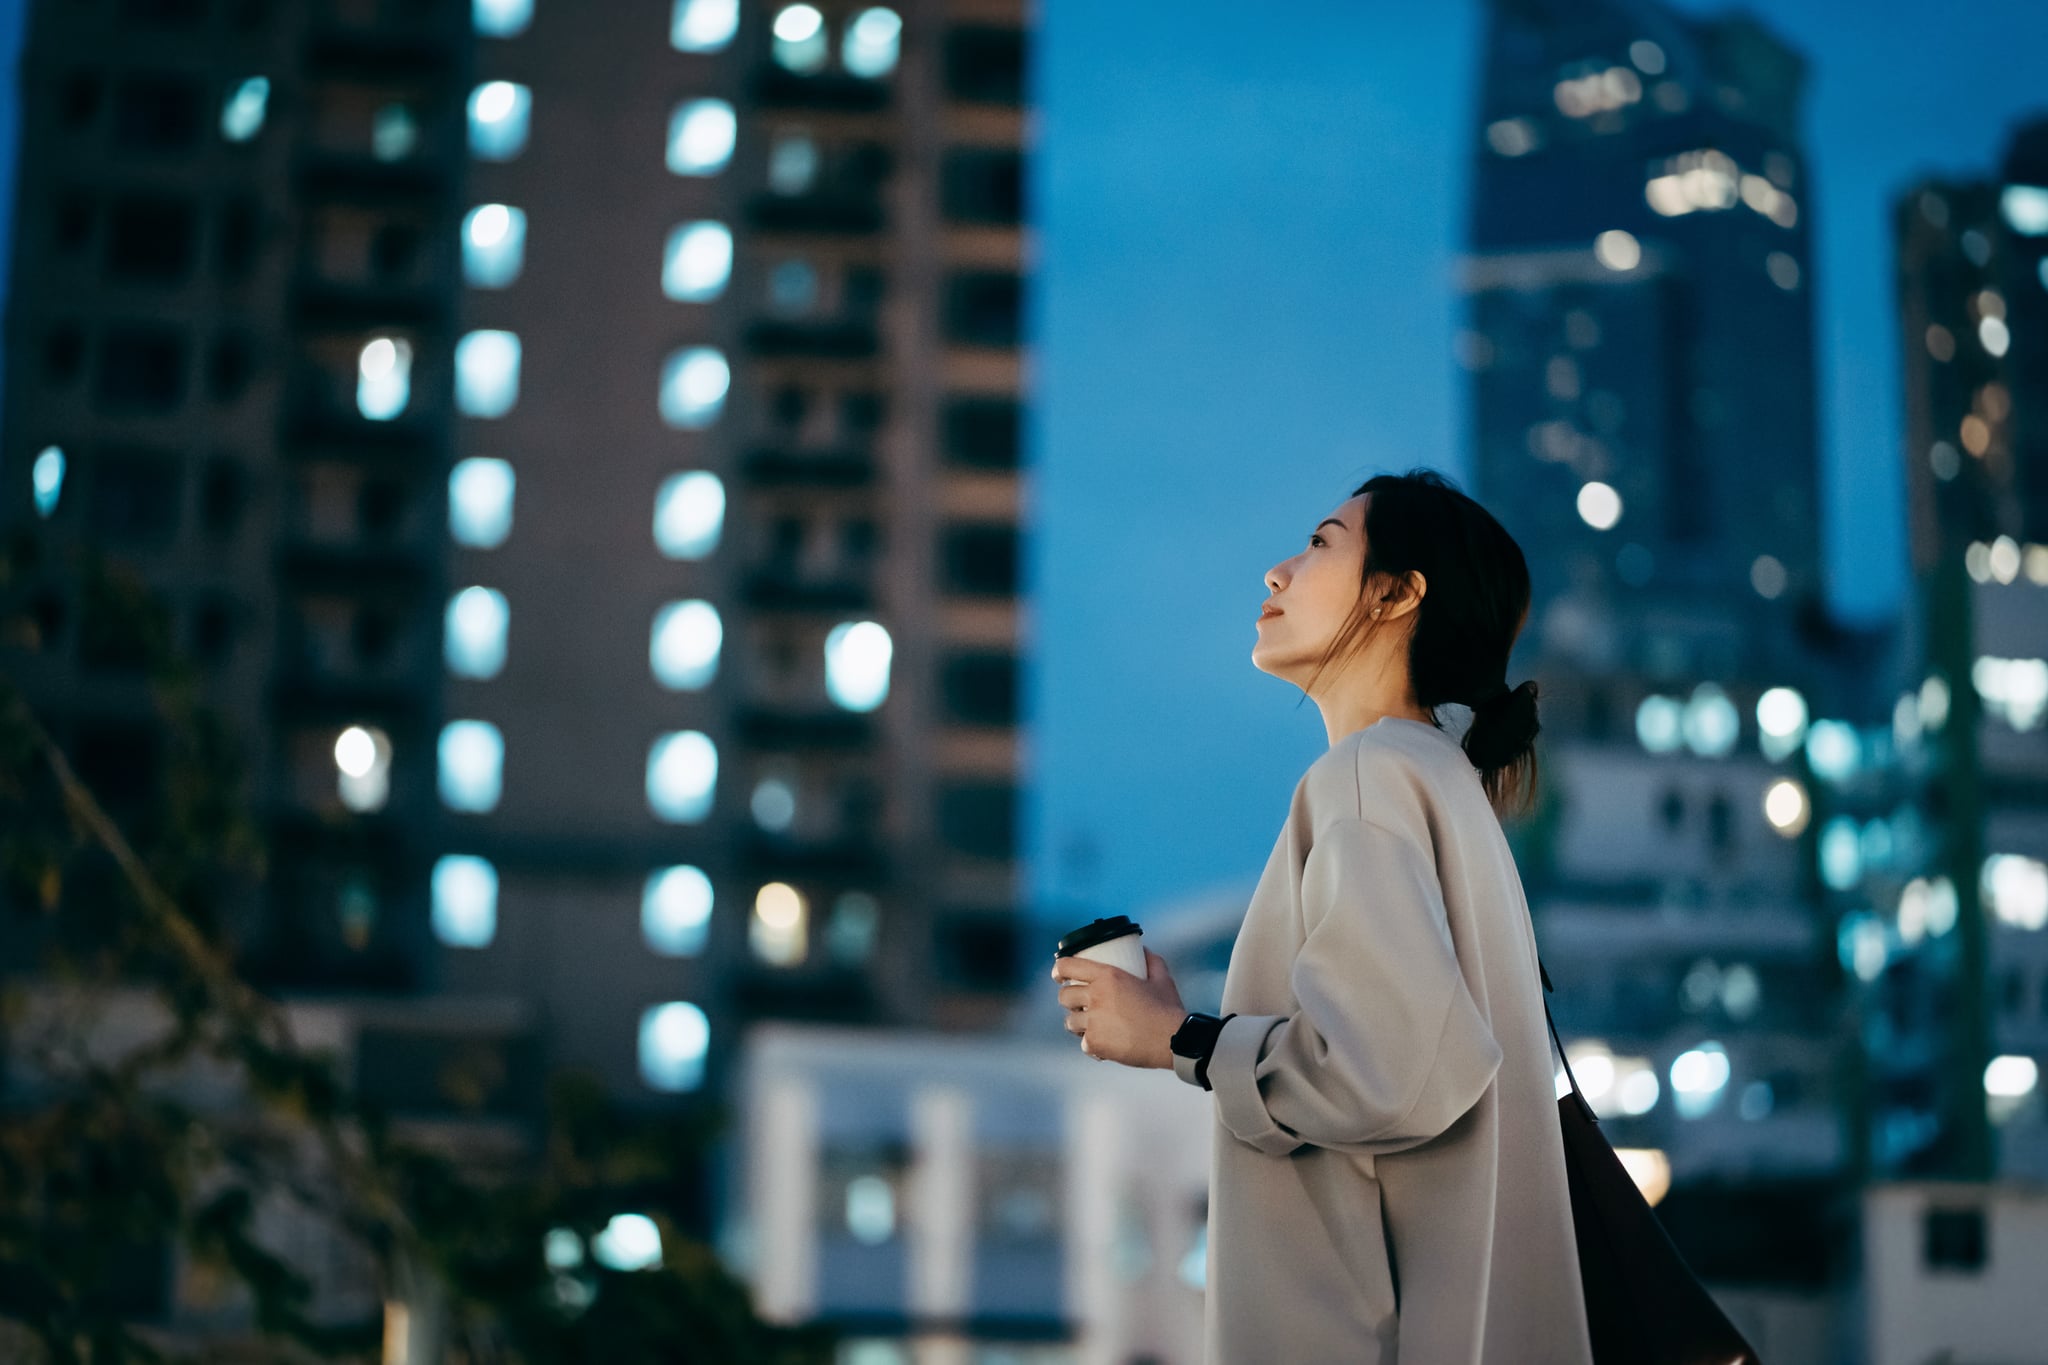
<point>1387,1180</point>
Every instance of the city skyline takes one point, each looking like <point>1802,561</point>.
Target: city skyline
<point>1185,184</point>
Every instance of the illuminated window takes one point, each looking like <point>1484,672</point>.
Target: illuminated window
<point>2026,209</point>
<point>777,929</point>
<point>682,774</point>
<point>697,262</point>
<point>480,502</point>
<point>792,163</point>
<point>383,378</point>
<point>683,651</point>
<point>857,657</point>
<point>241,116</point>
<point>872,40</point>
<point>499,113</point>
<point>1599,506</point>
<point>850,932</point>
<point>773,804</point>
<point>501,18</point>
<point>1711,723</point>
<point>703,25</point>
<point>689,513</point>
<point>800,44</point>
<point>694,381</point>
<point>46,480</point>
<point>700,137</point>
<point>630,1241</point>
<point>1659,722</point>
<point>673,1040</point>
<point>465,895</point>
<point>793,287</point>
<point>675,911</point>
<point>473,635</point>
<point>486,373</point>
<point>394,133</point>
<point>1783,270</point>
<point>362,762</point>
<point>493,245</point>
<point>1618,250</point>
<point>1512,136</point>
<point>472,765</point>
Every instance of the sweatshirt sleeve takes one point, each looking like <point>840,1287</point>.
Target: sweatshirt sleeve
<point>1387,1048</point>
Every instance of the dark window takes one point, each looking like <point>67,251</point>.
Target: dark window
<point>786,539</point>
<point>135,497</point>
<point>394,250</point>
<point>141,369</point>
<point>1721,821</point>
<point>79,100</point>
<point>222,497</point>
<point>858,539</point>
<point>978,817</point>
<point>979,688</point>
<point>213,629</point>
<point>1953,1239</point>
<point>63,353</point>
<point>46,612</point>
<point>379,507</point>
<point>985,64</point>
<point>980,559</point>
<point>983,307</point>
<point>863,293</point>
<point>1672,808</point>
<point>2014,991</point>
<point>72,224</point>
<point>861,412</point>
<point>982,185</point>
<point>1599,714</point>
<point>788,405</point>
<point>228,368</point>
<point>157,114</point>
<point>372,635</point>
<point>983,432</point>
<point>978,950</point>
<point>150,238</point>
<point>238,237</point>
<point>121,626</point>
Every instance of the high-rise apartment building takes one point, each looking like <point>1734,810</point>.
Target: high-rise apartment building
<point>1973,299</point>
<point>580,448</point>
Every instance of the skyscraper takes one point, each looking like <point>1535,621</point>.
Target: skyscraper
<point>582,453</point>
<point>1640,337</point>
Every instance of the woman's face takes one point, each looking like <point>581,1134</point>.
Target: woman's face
<point>1313,592</point>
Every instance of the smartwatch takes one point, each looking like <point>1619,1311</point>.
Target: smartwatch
<point>1191,1045</point>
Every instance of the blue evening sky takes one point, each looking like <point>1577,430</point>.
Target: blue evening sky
<point>1243,308</point>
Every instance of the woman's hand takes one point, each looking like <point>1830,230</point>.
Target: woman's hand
<point>1121,1018</point>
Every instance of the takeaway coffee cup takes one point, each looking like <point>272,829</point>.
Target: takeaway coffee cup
<point>1114,940</point>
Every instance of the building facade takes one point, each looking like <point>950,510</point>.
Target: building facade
<point>582,455</point>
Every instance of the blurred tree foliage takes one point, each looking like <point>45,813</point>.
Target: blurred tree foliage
<point>106,1163</point>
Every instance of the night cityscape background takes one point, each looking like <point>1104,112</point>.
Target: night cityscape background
<point>588,589</point>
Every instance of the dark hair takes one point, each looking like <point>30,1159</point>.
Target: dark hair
<point>1474,604</point>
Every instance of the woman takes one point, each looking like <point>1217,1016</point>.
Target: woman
<point>1387,1178</point>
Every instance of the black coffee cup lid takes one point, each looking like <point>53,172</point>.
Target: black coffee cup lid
<point>1099,931</point>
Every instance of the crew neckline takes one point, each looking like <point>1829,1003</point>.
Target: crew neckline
<point>1410,720</point>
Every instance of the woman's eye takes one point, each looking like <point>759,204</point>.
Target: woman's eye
<point>1315,540</point>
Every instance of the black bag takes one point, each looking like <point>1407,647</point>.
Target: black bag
<point>1644,1305</point>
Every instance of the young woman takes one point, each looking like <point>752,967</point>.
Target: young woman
<point>1387,1177</point>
